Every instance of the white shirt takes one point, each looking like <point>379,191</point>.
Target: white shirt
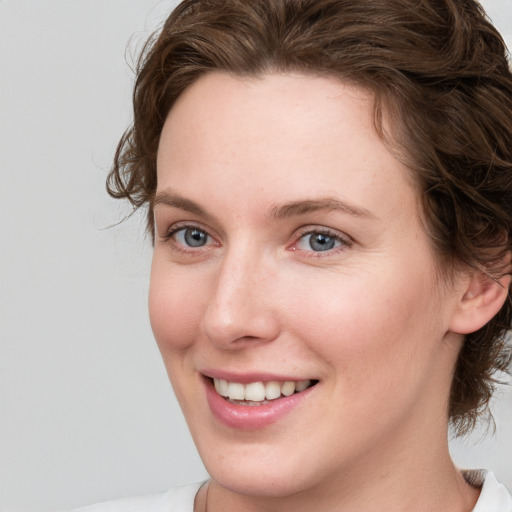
<point>494,497</point>
<point>177,499</point>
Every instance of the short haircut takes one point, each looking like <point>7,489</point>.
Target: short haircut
<point>441,80</point>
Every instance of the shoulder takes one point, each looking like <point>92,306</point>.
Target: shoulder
<point>177,499</point>
<point>494,497</point>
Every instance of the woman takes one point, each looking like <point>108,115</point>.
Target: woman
<point>329,190</point>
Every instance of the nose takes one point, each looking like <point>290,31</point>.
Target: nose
<point>242,306</point>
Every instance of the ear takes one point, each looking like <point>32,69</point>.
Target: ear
<point>481,298</point>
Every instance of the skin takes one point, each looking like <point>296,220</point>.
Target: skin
<point>371,319</point>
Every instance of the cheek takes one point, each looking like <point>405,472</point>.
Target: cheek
<point>175,309</point>
<point>378,344</point>
<point>363,327</point>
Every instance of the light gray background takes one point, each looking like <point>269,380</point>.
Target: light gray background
<point>86,413</point>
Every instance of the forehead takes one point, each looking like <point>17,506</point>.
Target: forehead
<point>280,134</point>
<point>222,115</point>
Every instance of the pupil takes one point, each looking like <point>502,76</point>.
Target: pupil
<point>320,242</point>
<point>195,238</point>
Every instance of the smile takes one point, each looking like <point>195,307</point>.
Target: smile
<point>255,404</point>
<point>258,393</point>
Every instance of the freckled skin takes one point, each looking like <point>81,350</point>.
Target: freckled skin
<point>368,318</point>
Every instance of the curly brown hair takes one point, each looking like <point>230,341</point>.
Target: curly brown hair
<point>442,84</point>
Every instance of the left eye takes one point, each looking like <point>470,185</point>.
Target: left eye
<point>192,237</point>
<point>319,242</point>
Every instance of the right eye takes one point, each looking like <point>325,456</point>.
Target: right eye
<point>191,236</point>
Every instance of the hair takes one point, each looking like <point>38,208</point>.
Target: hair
<point>442,84</point>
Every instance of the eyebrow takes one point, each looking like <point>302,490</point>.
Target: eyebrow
<point>297,208</point>
<point>175,201</point>
<point>286,210</point>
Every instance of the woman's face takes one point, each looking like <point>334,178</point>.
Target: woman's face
<point>290,253</point>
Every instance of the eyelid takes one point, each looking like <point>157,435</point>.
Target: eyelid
<point>192,224</point>
<point>168,237</point>
<point>345,240</point>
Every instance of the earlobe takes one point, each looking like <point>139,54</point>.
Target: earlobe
<point>480,301</point>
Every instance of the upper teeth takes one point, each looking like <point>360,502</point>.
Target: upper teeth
<point>259,391</point>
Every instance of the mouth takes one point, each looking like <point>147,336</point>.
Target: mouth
<point>254,401</point>
<point>259,393</point>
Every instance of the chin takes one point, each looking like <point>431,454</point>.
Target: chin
<point>256,482</point>
<point>264,471</point>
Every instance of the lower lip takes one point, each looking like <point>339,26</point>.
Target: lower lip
<point>246,417</point>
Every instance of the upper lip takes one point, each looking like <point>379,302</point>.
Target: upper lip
<point>252,376</point>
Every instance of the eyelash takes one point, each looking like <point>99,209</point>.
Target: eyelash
<point>169,237</point>
<point>343,241</point>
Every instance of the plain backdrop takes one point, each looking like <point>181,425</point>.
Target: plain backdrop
<point>86,412</point>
